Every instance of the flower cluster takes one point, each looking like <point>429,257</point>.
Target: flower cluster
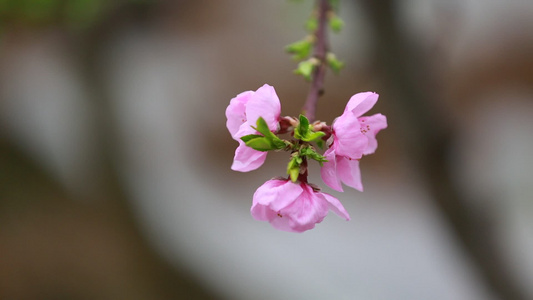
<point>293,204</point>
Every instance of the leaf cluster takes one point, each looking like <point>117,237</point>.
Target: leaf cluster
<point>267,141</point>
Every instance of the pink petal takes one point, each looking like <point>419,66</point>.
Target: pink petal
<point>329,171</point>
<point>349,172</point>
<point>247,159</point>
<point>264,103</point>
<point>244,129</point>
<point>336,206</point>
<point>348,139</point>
<point>283,224</point>
<point>270,198</point>
<point>361,103</point>
<point>306,211</point>
<point>235,113</point>
<point>263,213</point>
<point>277,194</point>
<point>370,127</point>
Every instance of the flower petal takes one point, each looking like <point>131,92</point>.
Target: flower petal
<point>247,159</point>
<point>264,103</point>
<point>306,211</point>
<point>370,126</point>
<point>263,213</point>
<point>277,194</point>
<point>336,206</point>
<point>282,223</point>
<point>328,171</point>
<point>235,112</point>
<point>348,139</point>
<point>349,172</point>
<point>244,129</point>
<point>270,198</point>
<point>360,103</point>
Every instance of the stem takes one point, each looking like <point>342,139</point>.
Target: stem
<point>303,177</point>
<point>319,52</point>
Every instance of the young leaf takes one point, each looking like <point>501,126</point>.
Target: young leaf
<point>278,143</point>
<point>262,126</point>
<point>294,172</point>
<point>260,144</point>
<point>335,64</point>
<point>311,137</point>
<point>293,168</point>
<point>335,23</point>
<point>305,68</point>
<point>304,125</point>
<point>273,140</point>
<point>301,49</point>
<point>312,24</point>
<point>246,138</point>
<point>311,153</point>
<point>303,128</point>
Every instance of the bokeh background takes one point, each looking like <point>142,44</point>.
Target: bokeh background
<point>115,178</point>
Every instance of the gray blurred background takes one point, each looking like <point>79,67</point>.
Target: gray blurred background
<point>115,178</point>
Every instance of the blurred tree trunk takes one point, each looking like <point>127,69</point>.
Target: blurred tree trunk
<point>428,135</point>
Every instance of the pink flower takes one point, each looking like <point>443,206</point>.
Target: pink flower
<point>353,137</point>
<point>242,113</point>
<point>294,207</point>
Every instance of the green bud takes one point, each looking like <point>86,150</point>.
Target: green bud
<point>315,136</point>
<point>305,133</point>
<point>306,67</point>
<point>312,154</point>
<point>335,64</point>
<point>293,168</point>
<point>293,173</point>
<point>312,24</point>
<point>335,23</point>
<point>301,49</point>
<point>302,130</point>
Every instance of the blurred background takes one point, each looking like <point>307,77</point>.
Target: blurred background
<point>115,178</point>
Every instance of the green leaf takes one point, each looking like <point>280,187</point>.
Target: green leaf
<point>312,24</point>
<point>301,49</point>
<point>335,64</point>
<point>320,144</point>
<point>312,137</point>
<point>260,144</point>
<point>303,128</point>
<point>262,126</point>
<point>304,125</point>
<point>246,138</point>
<point>311,153</point>
<point>305,68</point>
<point>304,131</point>
<point>293,168</point>
<point>278,143</point>
<point>335,23</point>
<point>269,141</point>
<point>294,173</point>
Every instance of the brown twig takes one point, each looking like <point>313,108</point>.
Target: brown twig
<point>319,52</point>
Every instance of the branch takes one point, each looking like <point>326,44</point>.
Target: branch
<point>320,49</point>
